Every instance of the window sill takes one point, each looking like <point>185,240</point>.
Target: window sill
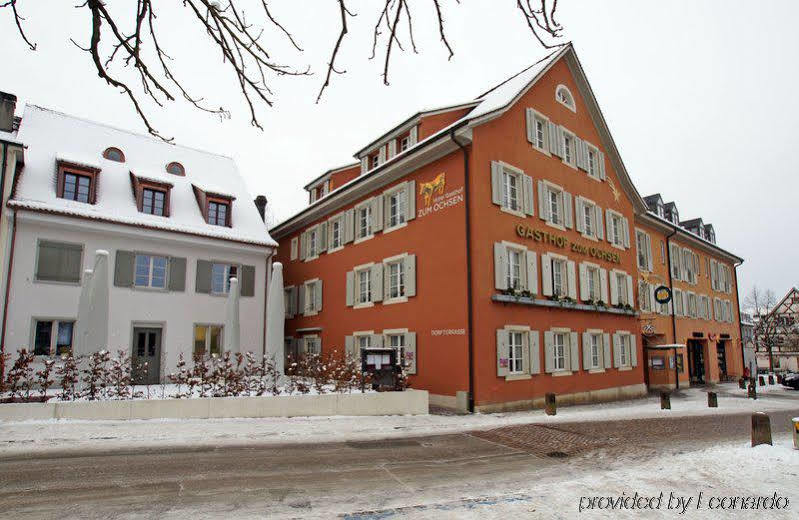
<point>624,369</point>
<point>561,373</point>
<point>307,314</point>
<point>592,177</point>
<point>517,377</point>
<point>363,239</point>
<point>394,228</point>
<point>150,289</point>
<point>617,246</point>
<point>310,258</point>
<point>514,212</point>
<point>543,151</point>
<point>402,299</point>
<point>334,249</point>
<point>56,282</point>
<point>363,305</point>
<point>593,238</point>
<point>561,227</point>
<point>596,371</point>
<point>570,165</point>
<point>539,302</point>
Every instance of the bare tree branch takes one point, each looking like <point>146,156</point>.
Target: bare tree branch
<point>331,65</point>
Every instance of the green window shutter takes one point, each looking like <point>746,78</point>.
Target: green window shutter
<point>59,262</point>
<point>177,273</point>
<point>202,282</point>
<point>123,269</point>
<point>247,280</point>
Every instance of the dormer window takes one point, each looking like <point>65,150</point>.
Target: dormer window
<point>153,201</point>
<point>114,154</point>
<point>77,187</point>
<point>215,206</point>
<point>175,168</point>
<point>219,213</point>
<point>374,161</point>
<point>152,196</point>
<point>78,183</point>
<point>660,209</point>
<point>564,97</point>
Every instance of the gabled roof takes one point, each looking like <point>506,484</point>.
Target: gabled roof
<point>692,222</point>
<point>329,172</point>
<point>653,198</point>
<point>52,136</point>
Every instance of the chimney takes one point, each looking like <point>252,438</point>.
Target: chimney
<point>8,102</point>
<point>260,203</point>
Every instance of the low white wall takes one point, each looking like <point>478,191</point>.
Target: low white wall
<point>409,402</point>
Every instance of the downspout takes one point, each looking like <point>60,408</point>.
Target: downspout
<point>4,158</point>
<point>8,290</point>
<point>738,304</point>
<point>267,281</point>
<point>673,310</point>
<point>469,313</point>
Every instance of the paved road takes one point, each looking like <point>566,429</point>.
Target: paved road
<point>323,480</point>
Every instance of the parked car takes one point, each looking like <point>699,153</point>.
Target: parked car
<point>791,380</point>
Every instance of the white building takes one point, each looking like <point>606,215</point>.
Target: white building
<point>177,222</point>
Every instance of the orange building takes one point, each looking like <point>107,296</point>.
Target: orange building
<point>492,245</point>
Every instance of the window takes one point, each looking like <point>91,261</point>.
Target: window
<point>364,341</point>
<point>364,286</point>
<point>405,143</point>
<point>616,230</point>
<point>175,168</point>
<point>77,187</point>
<point>589,215</point>
<point>207,340</point>
<point>644,249</point>
<point>313,345</point>
<point>59,262</point>
<point>644,296</point>
<point>52,337</point>
<point>691,305</point>
<point>153,201</point>
<point>674,258</point>
<point>679,309</point>
<point>559,277</point>
<point>510,190</point>
<point>310,297</point>
<point>396,279</point>
<point>592,161</point>
<point>220,277</point>
<point>564,97</point>
<point>150,271</point>
<point>624,350</point>
<point>364,214</point>
<point>540,133</point>
<point>595,350</point>
<point>313,240</point>
<point>218,213</point>
<point>555,201</point>
<point>396,208</point>
<point>593,280</point>
<point>294,250</point>
<point>114,154</point>
<point>569,155</point>
<point>663,252</point>
<point>374,161</point>
<point>559,350</point>
<point>516,352</point>
<point>514,268</point>
<point>623,290</point>
<point>336,240</point>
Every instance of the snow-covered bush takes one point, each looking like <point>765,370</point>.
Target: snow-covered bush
<point>119,376</point>
<point>96,376</point>
<point>43,378</point>
<point>68,375</point>
<point>20,379</point>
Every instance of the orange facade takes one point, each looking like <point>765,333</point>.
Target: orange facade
<point>563,326</point>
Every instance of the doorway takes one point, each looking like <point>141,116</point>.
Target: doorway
<point>146,359</point>
<point>721,354</point>
<point>696,362</point>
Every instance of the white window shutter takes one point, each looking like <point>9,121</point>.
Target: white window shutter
<point>525,354</point>
<point>653,305</point>
<point>529,201</point>
<point>561,145</point>
<point>350,288</point>
<point>532,272</point>
<point>574,351</point>
<point>500,266</point>
<point>549,354</point>
<point>322,237</point>
<point>713,275</point>
<point>303,245</point>
<point>376,280</point>
<point>579,223</point>
<point>543,207</point>
<point>392,148</point>
<point>616,350</point>
<point>502,353</point>
<point>349,226</point>
<point>584,292</point>
<point>606,350</point>
<point>349,348</point>
<point>554,140</point>
<point>601,165</point>
<point>630,290</point>
<point>381,154</point>
<point>295,245</point>
<point>530,119</point>
<point>364,164</point>
<point>318,296</point>
<point>410,275</point>
<point>587,361</point>
<point>649,252</point>
<point>568,210</point>
<point>614,289</point>
<point>413,136</point>
<point>496,183</point>
<point>572,277</point>
<point>301,300</point>
<point>579,148</point>
<point>535,352</point>
<point>603,285</point>
<point>600,227</point>
<point>410,199</point>
<point>546,275</point>
<point>410,353</point>
<point>376,213</point>
<point>626,232</point>
<point>608,224</point>
<point>633,351</point>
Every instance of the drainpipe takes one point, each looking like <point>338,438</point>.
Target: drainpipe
<point>737,303</point>
<point>469,314</point>
<point>4,158</point>
<point>8,290</point>
<point>673,309</point>
<point>267,281</point>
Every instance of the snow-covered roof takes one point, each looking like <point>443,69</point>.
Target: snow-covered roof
<point>51,137</point>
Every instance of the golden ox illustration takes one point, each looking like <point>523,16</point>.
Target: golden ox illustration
<point>428,189</point>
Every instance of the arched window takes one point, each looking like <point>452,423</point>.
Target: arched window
<point>564,97</point>
<point>175,168</point>
<point>114,154</point>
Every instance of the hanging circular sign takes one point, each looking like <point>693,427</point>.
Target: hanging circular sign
<point>663,294</point>
<point>648,330</point>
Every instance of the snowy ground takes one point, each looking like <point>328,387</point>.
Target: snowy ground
<point>61,435</point>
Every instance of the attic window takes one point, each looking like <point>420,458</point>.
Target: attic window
<point>564,97</point>
<point>77,183</point>
<point>152,197</point>
<point>218,212</point>
<point>114,154</point>
<point>175,168</point>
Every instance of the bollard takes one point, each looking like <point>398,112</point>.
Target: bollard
<point>761,380</point>
<point>665,401</point>
<point>551,406</point>
<point>770,379</point>
<point>712,400</point>
<point>795,421</point>
<point>761,429</point>
<point>742,384</point>
<point>752,390</point>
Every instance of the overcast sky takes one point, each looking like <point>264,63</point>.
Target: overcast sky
<point>700,97</point>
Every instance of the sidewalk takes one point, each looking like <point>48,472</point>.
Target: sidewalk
<point>42,437</point>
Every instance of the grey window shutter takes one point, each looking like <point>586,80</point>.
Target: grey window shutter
<point>587,359</point>
<point>579,221</point>
<point>123,268</point>
<point>568,212</point>
<point>410,275</point>
<point>301,300</point>
<point>300,343</point>
<point>572,275</point>
<point>377,341</point>
<point>606,350</point>
<point>616,351</point>
<point>303,245</point>
<point>349,226</point>
<point>601,165</point>
<point>247,280</point>
<point>318,296</point>
<point>614,289</point>
<point>630,290</point>
<point>413,137</point>
<point>609,225</point>
<point>364,164</point>
<point>500,266</point>
<point>376,213</point>
<point>561,144</point>
<point>496,183</point>
<point>202,281</point>
<point>580,152</point>
<point>376,275</point>
<point>294,301</point>
<point>349,348</point>
<point>532,272</point>
<point>381,153</point>
<point>177,274</point>
<point>502,353</point>
<point>410,198</point>
<point>350,288</point>
<point>549,354</point>
<point>530,120</point>
<point>543,207</point>
<point>529,201</point>
<point>633,351</point>
<point>603,285</point>
<point>535,353</point>
<point>321,236</point>
<point>546,275</point>
<point>626,232</point>
<point>584,292</point>
<point>574,354</point>
<point>554,139</point>
<point>410,353</point>
<point>525,353</point>
<point>392,148</point>
<point>600,227</point>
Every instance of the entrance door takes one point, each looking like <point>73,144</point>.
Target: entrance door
<point>721,353</point>
<point>146,360</point>
<point>696,362</point>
